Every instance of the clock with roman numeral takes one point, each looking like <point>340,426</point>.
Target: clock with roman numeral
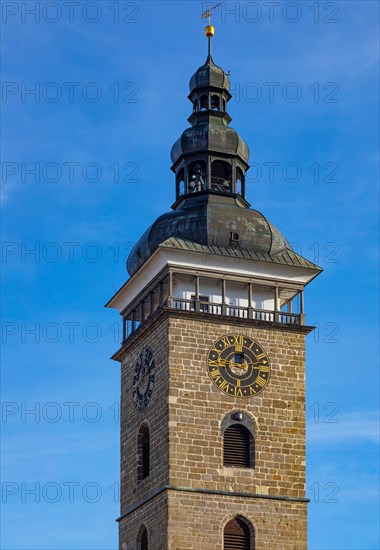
<point>238,366</point>
<point>143,380</point>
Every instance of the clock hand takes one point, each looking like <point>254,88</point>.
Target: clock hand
<point>256,365</point>
<point>232,364</point>
<point>222,362</point>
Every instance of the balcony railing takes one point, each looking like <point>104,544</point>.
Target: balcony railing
<point>201,306</point>
<point>234,311</point>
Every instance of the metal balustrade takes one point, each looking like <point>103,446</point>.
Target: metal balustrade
<point>132,323</point>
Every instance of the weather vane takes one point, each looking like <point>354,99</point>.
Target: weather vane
<point>209,30</point>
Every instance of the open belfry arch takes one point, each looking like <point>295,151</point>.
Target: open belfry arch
<point>213,357</point>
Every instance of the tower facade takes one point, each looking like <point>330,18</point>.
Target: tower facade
<point>213,357</point>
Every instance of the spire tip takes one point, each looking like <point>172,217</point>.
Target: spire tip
<point>210,30</point>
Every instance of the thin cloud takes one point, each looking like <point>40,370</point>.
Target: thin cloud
<point>356,426</point>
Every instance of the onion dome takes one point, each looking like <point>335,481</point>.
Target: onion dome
<point>212,220</point>
<point>209,75</point>
<point>211,134</point>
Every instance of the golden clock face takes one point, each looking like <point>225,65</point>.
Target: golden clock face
<point>238,366</point>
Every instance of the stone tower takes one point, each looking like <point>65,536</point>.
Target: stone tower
<point>213,357</point>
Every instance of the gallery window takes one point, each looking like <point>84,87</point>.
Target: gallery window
<point>215,103</point>
<point>220,176</point>
<point>180,180</point>
<point>197,176</point>
<point>239,181</point>
<point>203,103</point>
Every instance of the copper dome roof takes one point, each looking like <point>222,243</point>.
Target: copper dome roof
<point>209,219</point>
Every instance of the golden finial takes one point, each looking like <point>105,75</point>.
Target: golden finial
<point>209,30</point>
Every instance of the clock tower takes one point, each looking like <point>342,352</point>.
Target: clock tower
<point>213,357</point>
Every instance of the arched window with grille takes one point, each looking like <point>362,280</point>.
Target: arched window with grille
<point>143,451</point>
<point>238,447</point>
<point>238,535</point>
<point>142,539</point>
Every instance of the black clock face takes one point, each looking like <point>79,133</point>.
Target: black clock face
<point>143,380</point>
<point>238,366</point>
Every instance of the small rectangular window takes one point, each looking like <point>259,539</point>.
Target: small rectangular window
<point>239,358</point>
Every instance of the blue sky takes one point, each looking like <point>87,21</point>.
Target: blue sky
<point>111,81</point>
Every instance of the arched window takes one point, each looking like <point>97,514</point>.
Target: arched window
<point>215,103</point>
<point>237,535</point>
<point>220,176</point>
<point>143,451</point>
<point>239,181</point>
<point>180,180</point>
<point>142,539</point>
<point>197,176</point>
<point>238,447</point>
<point>203,103</point>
